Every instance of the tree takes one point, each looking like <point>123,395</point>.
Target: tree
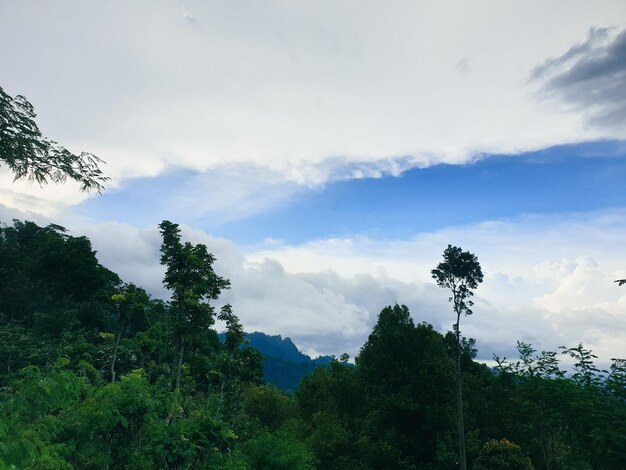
<point>46,273</point>
<point>460,272</point>
<point>407,378</point>
<point>502,455</point>
<point>193,282</point>
<point>587,374</point>
<point>30,155</point>
<point>237,364</point>
<point>130,307</point>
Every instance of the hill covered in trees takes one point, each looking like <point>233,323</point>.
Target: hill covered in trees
<point>96,374</point>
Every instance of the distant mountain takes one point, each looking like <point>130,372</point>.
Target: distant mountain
<point>277,346</point>
<point>284,365</point>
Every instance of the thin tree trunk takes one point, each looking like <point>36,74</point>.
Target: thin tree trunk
<point>178,371</point>
<point>117,345</point>
<point>459,397</point>
<point>179,365</point>
<point>219,405</point>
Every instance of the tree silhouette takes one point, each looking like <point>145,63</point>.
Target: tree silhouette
<point>460,272</point>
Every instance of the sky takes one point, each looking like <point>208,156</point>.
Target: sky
<point>328,152</point>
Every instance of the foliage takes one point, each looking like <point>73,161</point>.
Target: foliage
<point>28,154</point>
<point>190,276</point>
<point>587,374</point>
<point>276,451</point>
<point>461,273</point>
<point>88,363</point>
<point>502,455</point>
<point>271,407</point>
<point>393,409</point>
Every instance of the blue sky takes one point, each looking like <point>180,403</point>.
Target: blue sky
<point>568,178</point>
<point>327,153</point>
<point>554,180</point>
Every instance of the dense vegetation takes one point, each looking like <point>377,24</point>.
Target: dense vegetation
<point>96,374</point>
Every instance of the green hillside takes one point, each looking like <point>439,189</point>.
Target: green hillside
<point>96,374</point>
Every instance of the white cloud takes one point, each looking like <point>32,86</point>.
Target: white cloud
<point>265,297</point>
<point>548,281</point>
<point>264,98</point>
<point>301,89</point>
<point>31,197</point>
<point>225,194</point>
<point>7,214</point>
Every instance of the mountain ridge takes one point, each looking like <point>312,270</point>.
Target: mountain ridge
<point>284,365</point>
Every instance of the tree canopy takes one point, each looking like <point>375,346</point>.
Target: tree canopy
<point>88,365</point>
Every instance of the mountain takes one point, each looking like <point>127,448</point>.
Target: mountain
<point>284,365</point>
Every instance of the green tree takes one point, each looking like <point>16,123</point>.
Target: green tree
<point>459,272</point>
<point>52,291</point>
<point>502,455</point>
<point>193,282</point>
<point>28,154</point>
<point>332,403</point>
<point>108,428</point>
<point>238,363</point>
<point>616,380</point>
<point>131,304</point>
<point>32,409</point>
<point>276,451</point>
<point>270,406</point>
<point>586,373</point>
<point>407,378</point>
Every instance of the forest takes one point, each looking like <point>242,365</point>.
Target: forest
<point>96,374</point>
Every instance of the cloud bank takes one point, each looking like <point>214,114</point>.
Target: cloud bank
<point>549,281</point>
<point>303,90</point>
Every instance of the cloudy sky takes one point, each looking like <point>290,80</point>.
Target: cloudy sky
<point>328,151</point>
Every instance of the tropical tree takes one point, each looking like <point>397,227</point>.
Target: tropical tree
<point>586,373</point>
<point>30,155</point>
<point>459,272</point>
<point>407,379</point>
<point>237,364</point>
<point>130,307</point>
<point>193,282</point>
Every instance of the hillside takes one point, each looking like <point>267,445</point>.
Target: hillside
<point>96,374</point>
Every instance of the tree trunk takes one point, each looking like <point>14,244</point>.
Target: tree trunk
<point>459,397</point>
<point>114,360</point>
<point>219,404</point>
<point>179,364</point>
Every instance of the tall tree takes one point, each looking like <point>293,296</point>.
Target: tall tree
<point>460,272</point>
<point>407,380</point>
<point>131,303</point>
<point>30,155</point>
<point>193,282</point>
